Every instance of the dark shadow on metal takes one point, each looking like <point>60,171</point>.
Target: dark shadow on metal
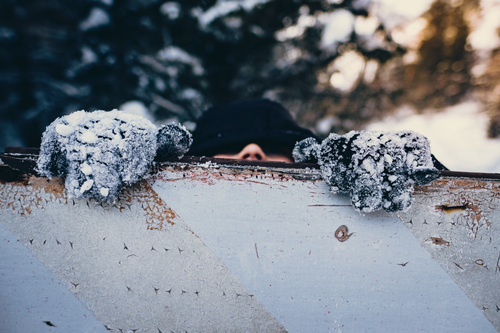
<point>16,161</point>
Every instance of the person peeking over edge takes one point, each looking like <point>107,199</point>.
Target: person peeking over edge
<point>377,169</point>
<point>257,129</point>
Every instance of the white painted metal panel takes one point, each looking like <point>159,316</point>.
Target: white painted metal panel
<point>277,235</point>
<point>457,220</point>
<point>228,248</point>
<point>32,299</point>
<point>135,265</point>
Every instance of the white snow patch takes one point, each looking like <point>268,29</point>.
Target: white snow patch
<point>87,185</point>
<point>96,18</point>
<point>457,135</point>
<point>294,31</point>
<point>89,137</point>
<point>171,9</point>
<point>86,169</point>
<point>223,8</point>
<point>325,125</point>
<point>338,28</point>
<point>485,36</point>
<point>136,108</point>
<point>347,70</point>
<point>173,53</point>
<point>88,56</point>
<point>64,130</point>
<point>396,12</point>
<point>104,191</point>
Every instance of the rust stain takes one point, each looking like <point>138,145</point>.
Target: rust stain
<point>439,241</point>
<point>157,212</point>
<point>480,262</point>
<point>33,193</point>
<point>472,204</point>
<point>458,184</point>
<point>451,208</point>
<point>474,215</point>
<point>36,193</point>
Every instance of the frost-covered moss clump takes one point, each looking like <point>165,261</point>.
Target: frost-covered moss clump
<point>377,169</point>
<point>100,152</point>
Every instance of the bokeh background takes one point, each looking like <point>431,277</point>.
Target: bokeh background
<point>428,65</point>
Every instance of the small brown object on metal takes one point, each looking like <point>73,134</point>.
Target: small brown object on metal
<point>342,233</point>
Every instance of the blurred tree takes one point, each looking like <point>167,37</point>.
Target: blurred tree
<point>333,63</point>
<point>443,60</point>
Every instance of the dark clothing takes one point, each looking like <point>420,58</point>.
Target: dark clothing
<point>225,128</point>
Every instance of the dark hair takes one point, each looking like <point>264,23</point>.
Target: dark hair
<point>262,121</point>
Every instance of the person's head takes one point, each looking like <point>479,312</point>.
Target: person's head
<point>257,129</point>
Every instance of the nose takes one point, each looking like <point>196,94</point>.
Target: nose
<point>252,152</point>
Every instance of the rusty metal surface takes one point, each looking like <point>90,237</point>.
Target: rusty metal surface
<point>204,246</point>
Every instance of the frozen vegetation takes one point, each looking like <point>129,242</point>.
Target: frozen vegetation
<point>377,169</point>
<point>100,152</point>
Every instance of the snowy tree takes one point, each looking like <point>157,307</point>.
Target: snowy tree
<point>335,64</point>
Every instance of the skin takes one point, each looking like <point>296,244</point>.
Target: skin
<point>253,152</point>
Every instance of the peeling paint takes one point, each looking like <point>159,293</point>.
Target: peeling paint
<point>36,192</point>
<point>134,264</point>
<point>458,221</point>
<point>439,241</point>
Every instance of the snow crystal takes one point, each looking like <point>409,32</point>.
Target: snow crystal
<point>104,191</point>
<point>89,137</point>
<point>64,130</point>
<point>378,169</point>
<point>86,169</point>
<point>87,185</point>
<point>97,152</point>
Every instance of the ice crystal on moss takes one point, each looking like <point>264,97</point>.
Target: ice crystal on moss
<point>377,169</point>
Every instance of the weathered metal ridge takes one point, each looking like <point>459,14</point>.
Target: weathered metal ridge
<point>23,160</point>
